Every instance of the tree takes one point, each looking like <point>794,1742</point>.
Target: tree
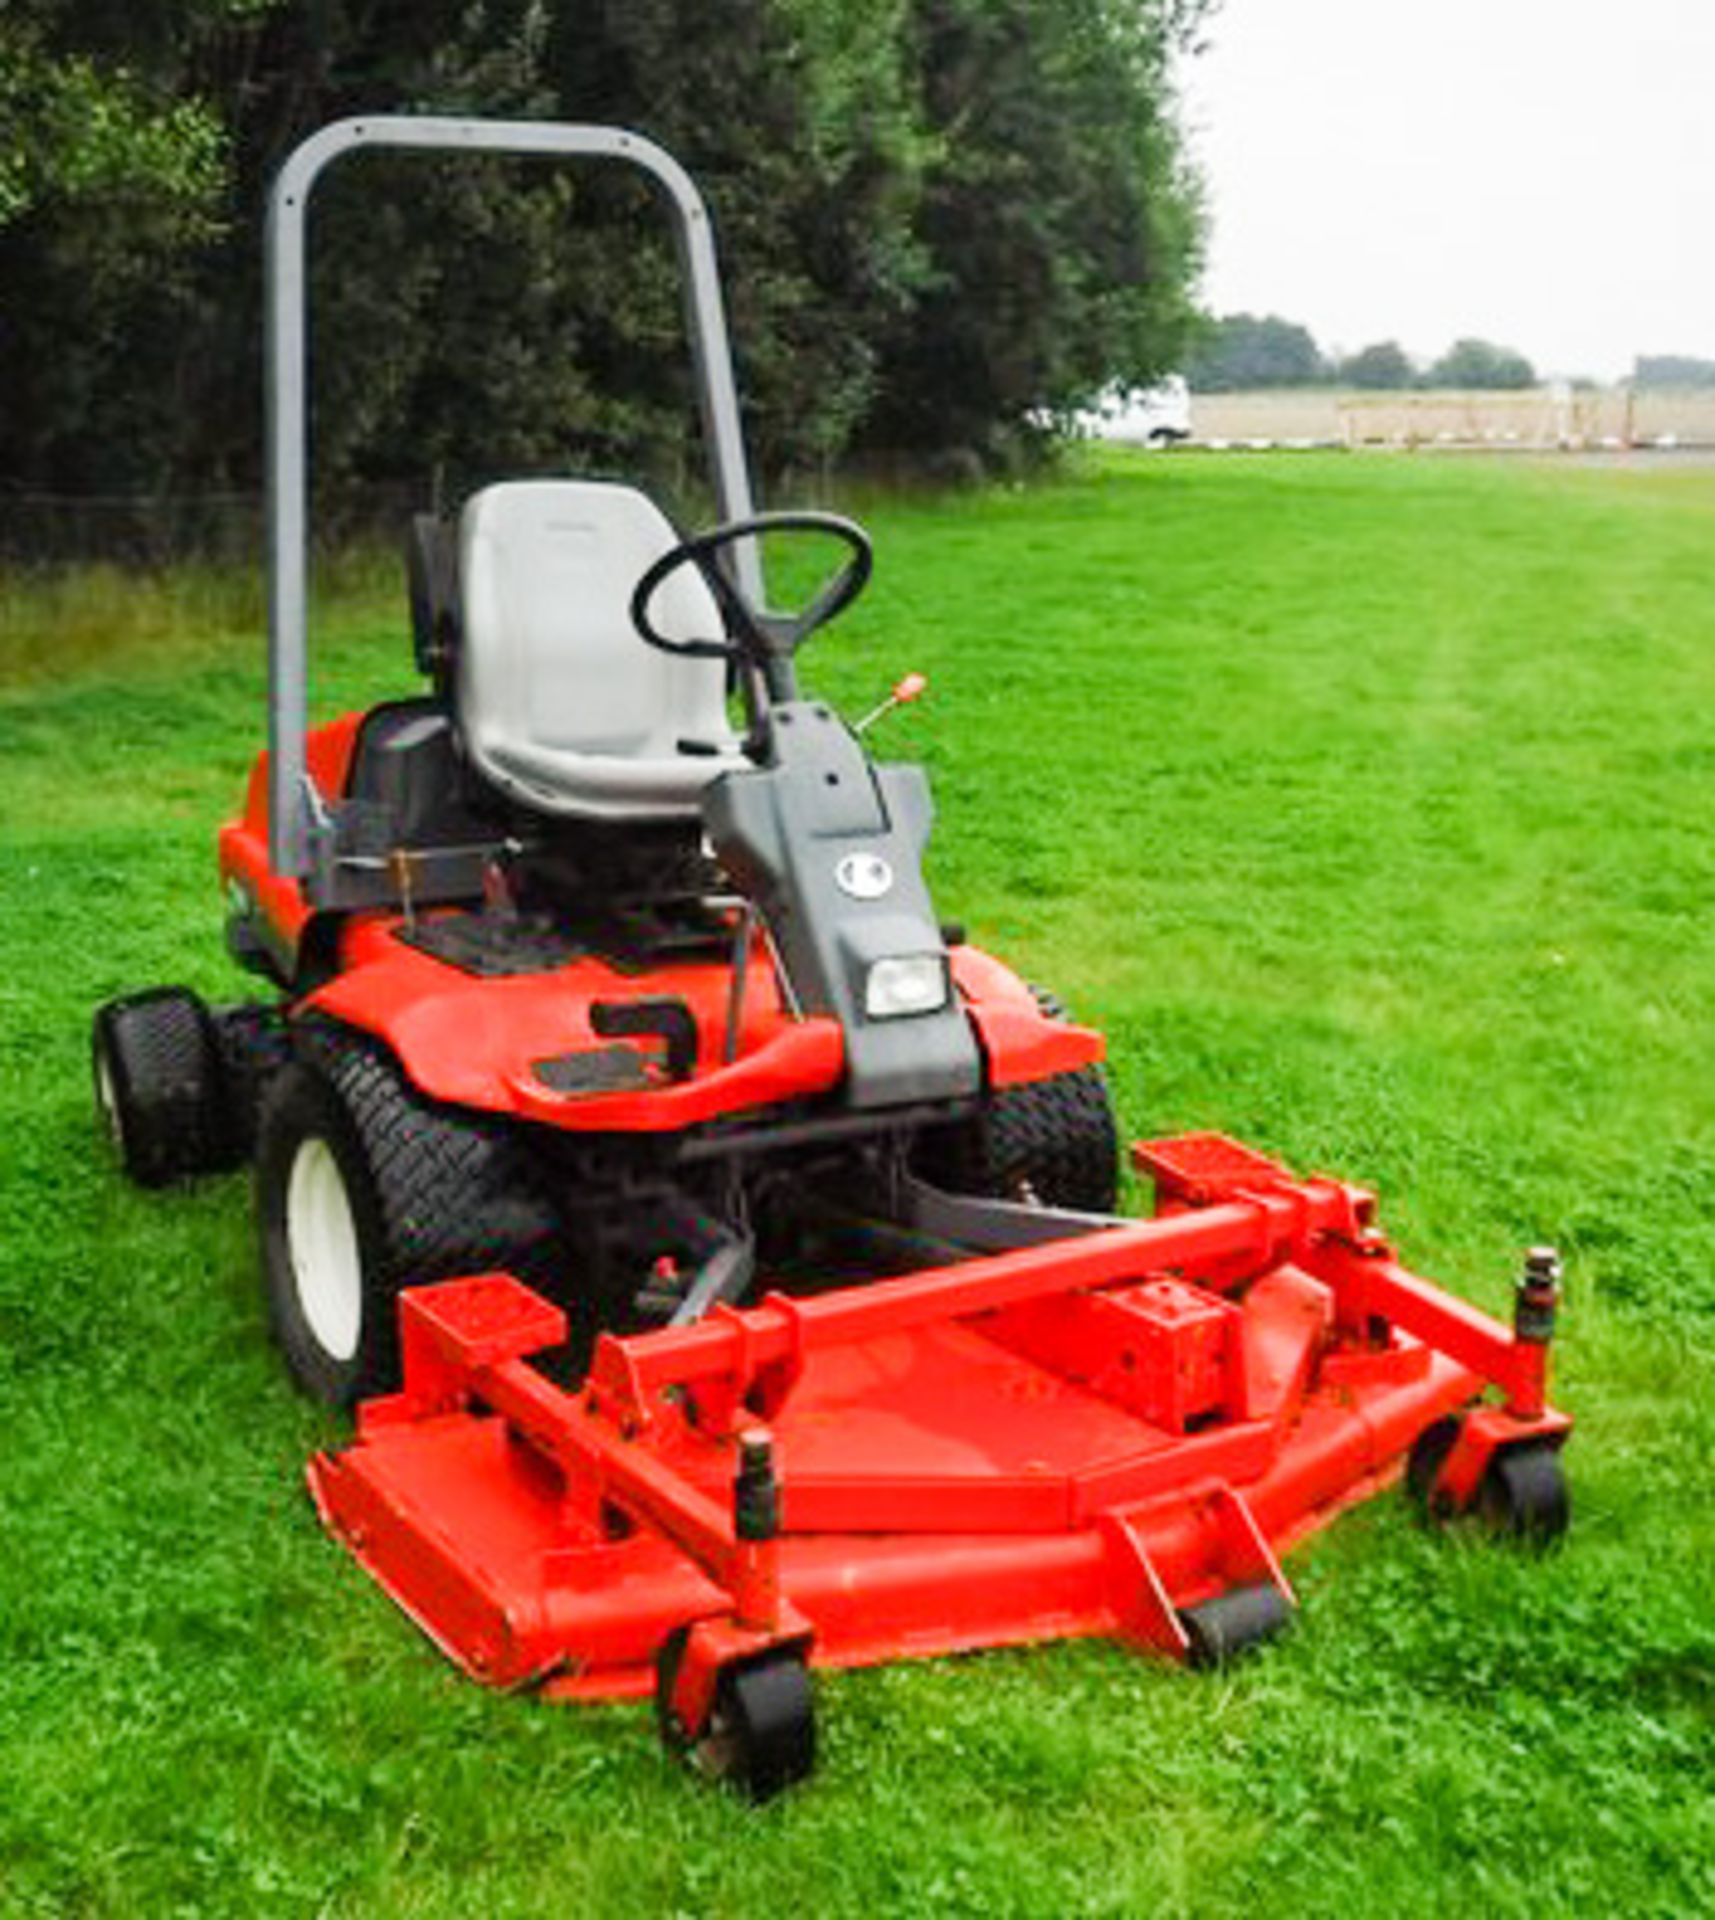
<point>113,168</point>
<point>1243,351</point>
<point>799,118</point>
<point>1383,365</point>
<point>1477,363</point>
<point>1058,221</point>
<point>1672,370</point>
<point>935,216</point>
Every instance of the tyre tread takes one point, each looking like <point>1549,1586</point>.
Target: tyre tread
<point>1056,1137</point>
<point>458,1193</point>
<point>169,1082</point>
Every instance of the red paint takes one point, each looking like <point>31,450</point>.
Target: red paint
<point>966,1456</point>
<point>1018,1042</point>
<point>474,1042</point>
<point>243,845</point>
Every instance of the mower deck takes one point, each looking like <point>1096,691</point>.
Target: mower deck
<point>1110,1434</point>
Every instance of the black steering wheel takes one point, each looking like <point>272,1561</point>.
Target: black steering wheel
<point>757,635</point>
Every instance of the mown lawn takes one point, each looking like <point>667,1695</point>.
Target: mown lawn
<point>1367,804</point>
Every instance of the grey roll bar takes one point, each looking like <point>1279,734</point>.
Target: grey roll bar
<point>293,805</point>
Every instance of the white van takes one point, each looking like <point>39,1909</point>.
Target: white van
<point>1158,416</point>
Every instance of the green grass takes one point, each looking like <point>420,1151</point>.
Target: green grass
<point>1367,805</point>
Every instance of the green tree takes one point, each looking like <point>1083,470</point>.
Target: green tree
<point>1672,370</point>
<point>1478,363</point>
<point>1059,220</point>
<point>936,216</point>
<point>1383,365</point>
<point>798,118</point>
<point>1241,351</point>
<point>114,165</point>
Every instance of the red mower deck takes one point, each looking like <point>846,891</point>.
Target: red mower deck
<point>1098,1436</point>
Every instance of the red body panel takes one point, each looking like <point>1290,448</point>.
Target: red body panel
<point>474,1041</point>
<point>243,846</point>
<point>1079,1438</point>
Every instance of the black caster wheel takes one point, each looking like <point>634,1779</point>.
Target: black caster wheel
<point>1524,1496</point>
<point>1234,1622</point>
<point>1423,1466</point>
<point>760,1737</point>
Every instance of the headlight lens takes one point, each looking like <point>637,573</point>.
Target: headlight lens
<point>905,983</point>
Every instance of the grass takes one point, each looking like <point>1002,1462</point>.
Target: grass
<point>1366,804</point>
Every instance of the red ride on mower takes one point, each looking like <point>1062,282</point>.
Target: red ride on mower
<point>717,1248</point>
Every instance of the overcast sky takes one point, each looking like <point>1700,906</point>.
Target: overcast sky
<point>1537,172</point>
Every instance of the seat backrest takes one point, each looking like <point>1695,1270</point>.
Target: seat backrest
<point>560,700</point>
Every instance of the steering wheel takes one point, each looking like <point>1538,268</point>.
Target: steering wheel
<point>757,635</point>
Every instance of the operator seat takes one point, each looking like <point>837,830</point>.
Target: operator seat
<point>561,702</point>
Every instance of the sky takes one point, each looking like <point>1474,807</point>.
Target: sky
<point>1540,173</point>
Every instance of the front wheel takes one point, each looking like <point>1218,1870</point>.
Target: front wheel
<point>364,1188</point>
<point>1053,1140</point>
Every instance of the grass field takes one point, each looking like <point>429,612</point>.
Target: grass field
<point>1367,805</point>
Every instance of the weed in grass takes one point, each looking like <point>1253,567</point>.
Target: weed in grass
<point>1364,804</point>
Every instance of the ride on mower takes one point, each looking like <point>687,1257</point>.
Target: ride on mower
<point>718,1249</point>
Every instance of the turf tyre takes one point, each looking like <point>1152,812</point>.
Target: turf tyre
<point>160,1087</point>
<point>364,1187</point>
<point>1053,1140</point>
<point>255,1046</point>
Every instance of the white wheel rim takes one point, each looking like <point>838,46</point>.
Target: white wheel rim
<point>107,1099</point>
<point>321,1238</point>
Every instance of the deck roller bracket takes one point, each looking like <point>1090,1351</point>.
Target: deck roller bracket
<point>737,1703</point>
<point>1245,1597</point>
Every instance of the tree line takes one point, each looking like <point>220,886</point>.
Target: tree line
<point>1672,370</point>
<point>939,219</point>
<point>1243,350</point>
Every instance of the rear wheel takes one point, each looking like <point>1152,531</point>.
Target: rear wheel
<point>363,1187</point>
<point>255,1045</point>
<point>160,1087</point>
<point>1053,1140</point>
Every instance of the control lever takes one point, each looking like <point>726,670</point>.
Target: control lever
<point>912,687</point>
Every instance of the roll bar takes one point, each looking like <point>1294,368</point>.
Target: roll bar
<point>294,808</point>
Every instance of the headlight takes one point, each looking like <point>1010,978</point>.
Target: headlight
<point>906,983</point>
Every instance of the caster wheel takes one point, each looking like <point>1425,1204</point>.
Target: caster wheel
<point>1524,1496</point>
<point>1234,1622</point>
<point>1423,1466</point>
<point>760,1736</point>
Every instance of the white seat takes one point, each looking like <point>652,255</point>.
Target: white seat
<point>561,701</point>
